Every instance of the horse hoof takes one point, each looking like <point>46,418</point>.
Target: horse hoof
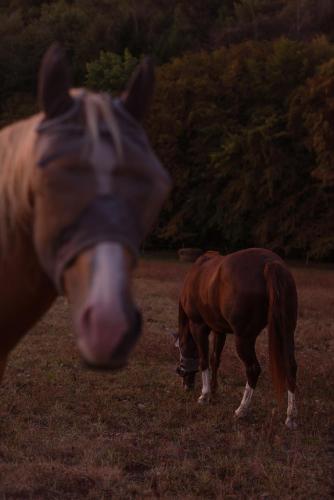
<point>203,399</point>
<point>291,423</point>
<point>240,413</point>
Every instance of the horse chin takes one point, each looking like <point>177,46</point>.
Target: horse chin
<point>94,359</point>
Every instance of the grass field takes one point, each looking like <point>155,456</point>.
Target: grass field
<point>68,433</point>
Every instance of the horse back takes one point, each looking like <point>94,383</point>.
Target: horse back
<point>228,293</point>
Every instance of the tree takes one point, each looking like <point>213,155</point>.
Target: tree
<point>110,72</point>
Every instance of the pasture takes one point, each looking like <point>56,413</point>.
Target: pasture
<point>70,433</point>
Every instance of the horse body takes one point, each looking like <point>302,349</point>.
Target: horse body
<point>239,293</point>
<point>218,287</point>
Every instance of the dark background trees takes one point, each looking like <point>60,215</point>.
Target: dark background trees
<point>243,114</point>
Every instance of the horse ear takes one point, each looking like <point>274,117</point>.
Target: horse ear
<point>54,82</point>
<point>139,92</point>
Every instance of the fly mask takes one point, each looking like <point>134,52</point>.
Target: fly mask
<point>95,182</point>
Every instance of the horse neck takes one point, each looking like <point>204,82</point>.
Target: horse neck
<point>17,167</point>
<point>26,292</point>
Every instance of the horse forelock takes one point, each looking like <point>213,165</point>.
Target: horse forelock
<point>91,117</point>
<point>99,106</point>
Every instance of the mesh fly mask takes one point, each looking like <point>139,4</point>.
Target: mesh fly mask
<point>98,180</point>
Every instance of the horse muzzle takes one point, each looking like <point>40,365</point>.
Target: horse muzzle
<point>188,377</point>
<point>105,342</point>
<point>187,369</point>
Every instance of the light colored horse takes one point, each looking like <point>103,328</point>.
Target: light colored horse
<point>80,187</point>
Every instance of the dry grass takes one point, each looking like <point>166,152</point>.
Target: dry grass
<point>68,433</point>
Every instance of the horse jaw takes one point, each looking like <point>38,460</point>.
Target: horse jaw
<point>105,319</point>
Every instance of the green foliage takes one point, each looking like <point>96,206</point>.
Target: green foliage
<point>243,174</point>
<point>110,72</point>
<point>245,128</point>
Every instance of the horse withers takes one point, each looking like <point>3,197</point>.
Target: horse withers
<point>80,187</point>
<point>240,293</point>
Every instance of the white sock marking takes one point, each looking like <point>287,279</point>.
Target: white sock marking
<point>206,389</point>
<point>245,402</point>
<point>291,413</point>
<point>206,381</point>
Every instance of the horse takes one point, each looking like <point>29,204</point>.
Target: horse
<point>239,293</point>
<point>80,188</point>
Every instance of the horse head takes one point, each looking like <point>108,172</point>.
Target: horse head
<point>188,366</point>
<point>97,190</point>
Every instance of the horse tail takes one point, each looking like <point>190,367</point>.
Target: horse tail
<point>282,319</point>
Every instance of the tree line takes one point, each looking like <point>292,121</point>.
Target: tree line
<point>242,116</point>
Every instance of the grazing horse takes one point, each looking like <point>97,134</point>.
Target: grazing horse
<point>239,293</point>
<point>80,187</point>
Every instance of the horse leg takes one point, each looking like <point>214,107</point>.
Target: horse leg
<point>218,346</point>
<point>188,352</point>
<point>246,352</point>
<point>291,413</point>
<point>200,334</point>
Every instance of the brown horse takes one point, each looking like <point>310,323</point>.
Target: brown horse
<point>79,189</point>
<point>239,293</point>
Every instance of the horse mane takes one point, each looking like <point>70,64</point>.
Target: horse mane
<point>16,169</point>
<point>17,161</point>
